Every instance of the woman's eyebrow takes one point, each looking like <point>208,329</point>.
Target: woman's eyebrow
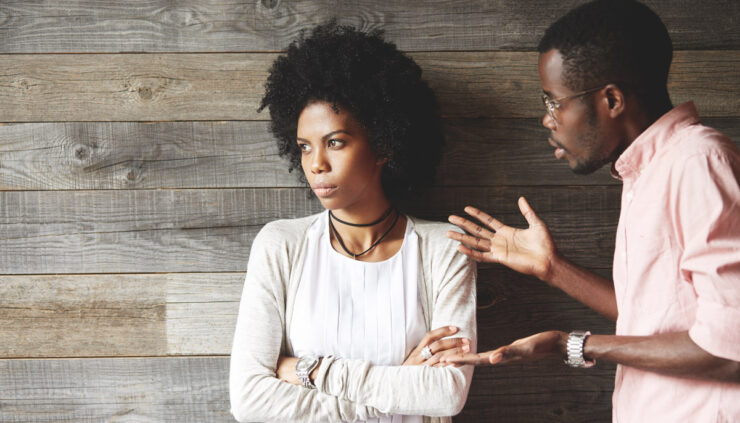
<point>338,131</point>
<point>330,134</point>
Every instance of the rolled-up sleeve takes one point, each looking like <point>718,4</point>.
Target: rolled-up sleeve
<point>709,221</point>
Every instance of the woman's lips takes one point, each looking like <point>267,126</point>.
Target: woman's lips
<point>324,190</point>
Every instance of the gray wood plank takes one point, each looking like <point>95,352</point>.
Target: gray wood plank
<point>134,231</point>
<point>113,155</point>
<point>118,315</point>
<point>135,155</point>
<point>115,390</point>
<point>156,87</point>
<point>220,26</point>
<point>142,87</point>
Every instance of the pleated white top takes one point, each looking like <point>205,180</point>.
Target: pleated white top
<point>358,310</point>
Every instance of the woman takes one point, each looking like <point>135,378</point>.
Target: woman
<point>335,318</point>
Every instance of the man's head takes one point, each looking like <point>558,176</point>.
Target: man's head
<point>607,62</point>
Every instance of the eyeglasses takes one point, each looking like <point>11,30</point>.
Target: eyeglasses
<point>552,104</point>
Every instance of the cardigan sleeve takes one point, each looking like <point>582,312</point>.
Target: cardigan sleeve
<point>256,393</point>
<point>417,390</point>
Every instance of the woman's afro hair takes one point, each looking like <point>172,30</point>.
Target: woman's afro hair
<point>373,81</point>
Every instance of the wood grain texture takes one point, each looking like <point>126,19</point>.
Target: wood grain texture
<point>220,26</point>
<point>114,315</point>
<point>211,230</point>
<point>544,392</point>
<point>134,155</point>
<point>131,390</point>
<point>118,315</point>
<point>124,87</point>
<point>114,155</point>
<point>154,87</point>
<point>195,389</point>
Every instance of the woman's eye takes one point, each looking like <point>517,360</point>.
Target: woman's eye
<point>335,143</point>
<point>304,147</point>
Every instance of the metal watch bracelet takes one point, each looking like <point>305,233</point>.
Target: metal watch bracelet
<point>574,349</point>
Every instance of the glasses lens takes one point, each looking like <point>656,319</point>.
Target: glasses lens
<point>549,106</point>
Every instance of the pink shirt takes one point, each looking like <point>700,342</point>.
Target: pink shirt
<point>677,263</point>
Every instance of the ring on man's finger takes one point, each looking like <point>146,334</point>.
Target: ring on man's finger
<point>426,353</point>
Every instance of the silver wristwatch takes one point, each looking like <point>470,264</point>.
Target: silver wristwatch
<point>574,348</point>
<point>303,369</point>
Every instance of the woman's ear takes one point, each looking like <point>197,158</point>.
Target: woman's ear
<point>381,160</point>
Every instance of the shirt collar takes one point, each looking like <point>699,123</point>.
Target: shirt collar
<point>642,150</point>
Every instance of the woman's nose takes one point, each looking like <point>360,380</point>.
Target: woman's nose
<point>319,164</point>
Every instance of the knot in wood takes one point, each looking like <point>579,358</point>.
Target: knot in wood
<point>81,152</point>
<point>145,93</point>
<point>22,83</point>
<point>269,4</point>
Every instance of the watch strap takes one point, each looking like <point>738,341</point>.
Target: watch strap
<point>574,349</point>
<point>305,375</point>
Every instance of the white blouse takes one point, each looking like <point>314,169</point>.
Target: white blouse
<point>358,310</point>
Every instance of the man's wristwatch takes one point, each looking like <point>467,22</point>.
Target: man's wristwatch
<point>574,348</point>
<point>303,369</point>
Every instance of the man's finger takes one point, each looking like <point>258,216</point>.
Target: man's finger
<point>476,255</point>
<point>469,358</point>
<point>484,217</point>
<point>528,212</point>
<point>480,244</point>
<point>495,358</point>
<point>470,227</point>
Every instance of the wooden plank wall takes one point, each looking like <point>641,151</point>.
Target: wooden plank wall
<point>135,172</point>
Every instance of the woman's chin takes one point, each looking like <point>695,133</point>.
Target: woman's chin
<point>329,203</point>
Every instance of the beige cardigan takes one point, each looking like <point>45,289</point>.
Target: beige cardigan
<point>347,390</point>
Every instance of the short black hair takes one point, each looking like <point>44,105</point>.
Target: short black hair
<point>613,41</point>
<point>378,85</point>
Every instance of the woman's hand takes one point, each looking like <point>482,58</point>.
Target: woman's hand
<point>530,251</point>
<point>438,348</point>
<point>286,369</point>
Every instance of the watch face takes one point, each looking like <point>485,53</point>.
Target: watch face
<point>305,363</point>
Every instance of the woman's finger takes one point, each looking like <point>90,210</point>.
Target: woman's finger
<point>456,344</point>
<point>436,334</point>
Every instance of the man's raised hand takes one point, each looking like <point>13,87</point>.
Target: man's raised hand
<point>530,251</point>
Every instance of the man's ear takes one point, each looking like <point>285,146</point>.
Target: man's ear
<point>615,99</point>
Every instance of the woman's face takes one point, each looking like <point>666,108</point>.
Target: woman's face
<point>337,160</point>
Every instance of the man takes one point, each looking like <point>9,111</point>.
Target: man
<point>676,289</point>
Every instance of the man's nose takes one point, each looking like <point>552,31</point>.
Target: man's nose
<point>549,122</point>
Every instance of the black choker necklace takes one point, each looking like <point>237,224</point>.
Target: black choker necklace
<point>341,243</point>
<point>382,218</point>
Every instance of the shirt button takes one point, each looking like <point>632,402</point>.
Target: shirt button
<point>628,196</point>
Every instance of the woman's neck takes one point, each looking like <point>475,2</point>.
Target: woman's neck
<point>357,239</point>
